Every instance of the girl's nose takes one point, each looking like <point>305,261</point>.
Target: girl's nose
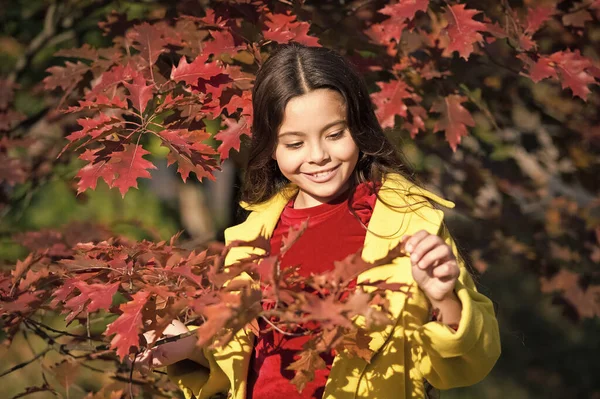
<point>318,154</point>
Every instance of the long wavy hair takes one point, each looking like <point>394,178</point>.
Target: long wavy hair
<point>291,71</point>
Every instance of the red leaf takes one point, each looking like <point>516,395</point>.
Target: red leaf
<point>66,77</point>
<point>283,28</point>
<point>536,17</point>
<point>94,127</point>
<point>243,102</point>
<point>574,72</point>
<point>230,137</point>
<point>110,79</point>
<point>455,118</point>
<point>570,67</point>
<point>223,43</point>
<point>150,39</point>
<point>462,31</point>
<point>305,366</point>
<point>66,372</point>
<point>293,235</point>
<point>101,101</point>
<point>99,296</point>
<point>384,32</point>
<point>128,325</point>
<point>139,93</point>
<point>390,101</point>
<point>189,152</point>
<point>198,69</point>
<point>32,277</point>
<point>404,9</point>
<point>21,268</point>
<point>121,168</point>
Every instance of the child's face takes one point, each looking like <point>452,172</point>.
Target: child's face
<point>314,147</point>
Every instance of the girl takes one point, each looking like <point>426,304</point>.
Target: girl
<point>318,152</point>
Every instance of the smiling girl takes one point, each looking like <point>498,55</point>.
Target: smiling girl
<point>318,152</point>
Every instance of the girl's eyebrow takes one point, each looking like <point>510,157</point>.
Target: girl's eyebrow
<point>327,126</point>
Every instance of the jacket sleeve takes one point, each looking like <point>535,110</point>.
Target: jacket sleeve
<point>449,358</point>
<point>196,380</point>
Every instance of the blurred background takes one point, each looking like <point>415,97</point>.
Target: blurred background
<point>525,180</point>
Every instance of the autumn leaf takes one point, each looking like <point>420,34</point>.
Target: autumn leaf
<point>120,169</point>
<point>139,93</point>
<point>66,372</point>
<point>536,17</point>
<point>222,43</point>
<point>583,298</point>
<point>151,42</point>
<point>305,366</point>
<point>94,127</point>
<point>283,28</point>
<point>294,233</point>
<point>198,69</point>
<point>390,101</point>
<point>454,120</point>
<point>356,343</point>
<point>573,70</point>
<point>128,325</point>
<point>462,31</point>
<point>66,77</point>
<point>404,9</point>
<point>91,297</point>
<point>230,137</point>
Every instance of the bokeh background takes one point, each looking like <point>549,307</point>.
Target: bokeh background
<point>525,181</point>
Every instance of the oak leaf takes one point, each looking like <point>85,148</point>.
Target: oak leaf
<point>454,120</point>
<point>119,169</point>
<point>128,325</point>
<point>230,137</point>
<point>404,9</point>
<point>305,366</point>
<point>390,101</point>
<point>462,31</point>
<point>283,28</point>
<point>150,41</point>
<point>139,93</point>
<point>198,69</point>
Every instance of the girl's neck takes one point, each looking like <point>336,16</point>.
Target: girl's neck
<point>304,200</point>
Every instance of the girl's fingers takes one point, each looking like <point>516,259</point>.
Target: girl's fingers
<point>446,271</point>
<point>425,246</point>
<point>435,255</point>
<point>414,240</point>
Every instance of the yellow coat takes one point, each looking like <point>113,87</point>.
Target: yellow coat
<point>405,352</point>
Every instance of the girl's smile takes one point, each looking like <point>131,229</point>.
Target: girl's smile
<point>315,149</point>
<point>322,176</point>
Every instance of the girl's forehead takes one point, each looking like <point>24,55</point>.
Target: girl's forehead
<point>317,106</point>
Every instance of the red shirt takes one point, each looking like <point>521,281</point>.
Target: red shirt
<point>333,233</point>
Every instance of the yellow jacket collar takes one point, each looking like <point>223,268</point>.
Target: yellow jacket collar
<point>391,181</point>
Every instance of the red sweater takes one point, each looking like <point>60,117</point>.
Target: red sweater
<point>333,234</point>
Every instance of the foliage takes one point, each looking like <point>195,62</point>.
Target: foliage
<point>434,66</point>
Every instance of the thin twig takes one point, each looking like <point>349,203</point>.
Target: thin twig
<point>280,330</point>
<point>21,365</point>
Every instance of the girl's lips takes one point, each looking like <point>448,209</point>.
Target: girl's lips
<point>322,177</point>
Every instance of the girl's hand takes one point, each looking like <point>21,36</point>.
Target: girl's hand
<point>169,353</point>
<point>434,266</point>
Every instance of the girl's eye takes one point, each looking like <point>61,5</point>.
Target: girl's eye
<point>336,135</point>
<point>293,146</point>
